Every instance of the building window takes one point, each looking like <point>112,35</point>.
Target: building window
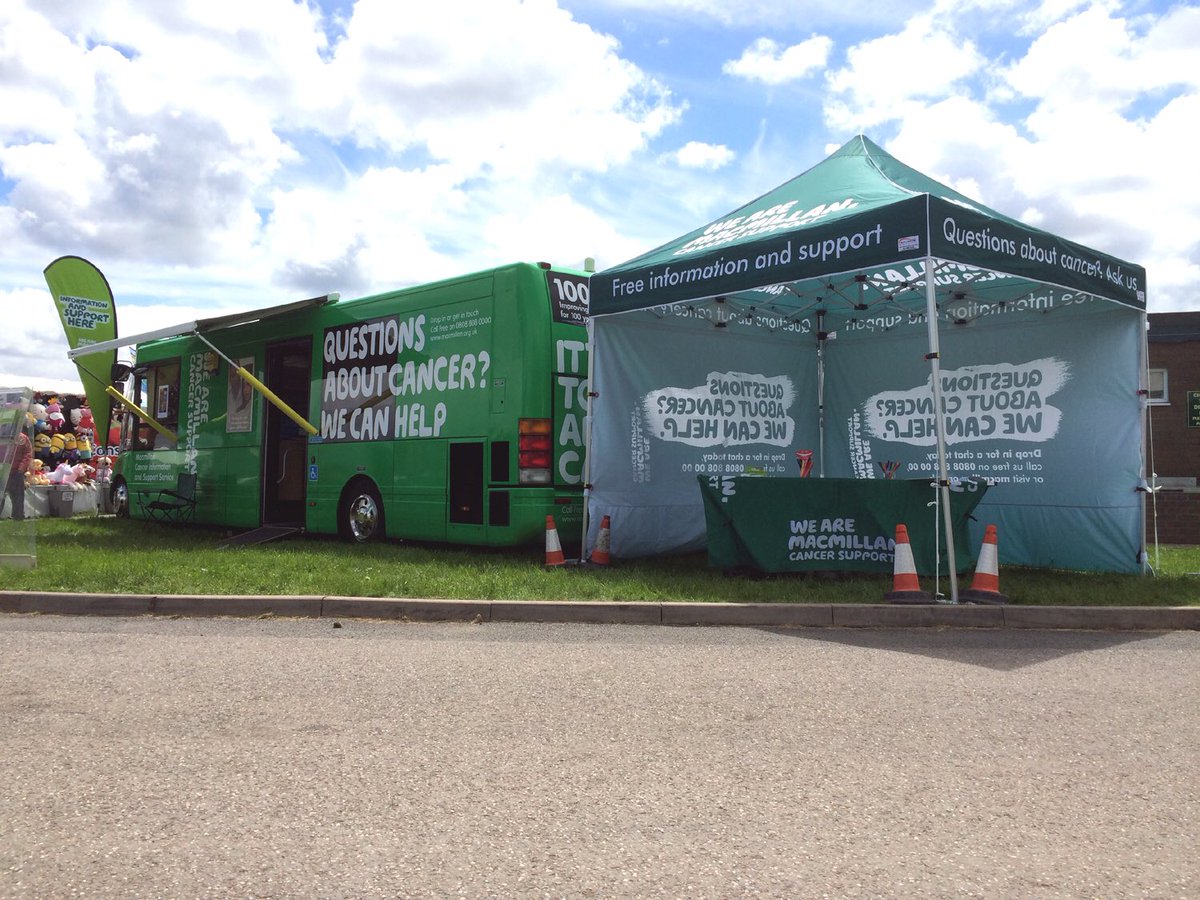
<point>1157,384</point>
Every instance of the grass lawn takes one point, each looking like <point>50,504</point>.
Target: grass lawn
<point>105,554</point>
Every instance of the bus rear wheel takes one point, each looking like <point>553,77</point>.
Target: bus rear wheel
<point>360,517</point>
<point>120,498</point>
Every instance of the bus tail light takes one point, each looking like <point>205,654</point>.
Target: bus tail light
<point>535,451</point>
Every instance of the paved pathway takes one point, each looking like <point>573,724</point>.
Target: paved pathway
<point>159,757</point>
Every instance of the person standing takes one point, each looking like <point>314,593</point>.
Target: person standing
<point>20,454</point>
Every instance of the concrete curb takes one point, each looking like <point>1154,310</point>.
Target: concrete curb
<point>589,611</point>
<point>810,615</point>
<point>933,615</point>
<point>806,615</point>
<point>249,606</point>
<point>406,610</point>
<point>76,604</point>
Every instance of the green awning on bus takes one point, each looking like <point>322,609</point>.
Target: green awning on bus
<point>212,324</point>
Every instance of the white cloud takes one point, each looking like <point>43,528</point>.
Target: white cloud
<point>699,155</point>
<point>377,228</point>
<point>1113,102</point>
<point>482,86</point>
<point>887,77</point>
<point>498,86</point>
<point>755,13</point>
<point>771,63</point>
<point>32,343</point>
<point>557,230</point>
<point>1047,12</point>
<point>155,148</point>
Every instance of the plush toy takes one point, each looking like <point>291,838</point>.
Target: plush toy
<point>70,448</point>
<point>58,448</point>
<point>83,419</point>
<point>64,473</point>
<point>41,446</point>
<point>83,474</point>
<point>103,469</point>
<point>83,447</point>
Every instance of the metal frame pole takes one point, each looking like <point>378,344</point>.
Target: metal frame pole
<point>939,419</point>
<point>821,337</point>
<point>587,437</point>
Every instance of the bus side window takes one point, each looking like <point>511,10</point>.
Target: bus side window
<point>144,439</point>
<point>164,394</point>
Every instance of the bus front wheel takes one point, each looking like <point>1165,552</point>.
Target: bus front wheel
<point>361,516</point>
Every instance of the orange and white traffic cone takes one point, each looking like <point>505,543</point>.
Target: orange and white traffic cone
<point>906,588</point>
<point>554,553</point>
<point>599,555</point>
<point>985,586</point>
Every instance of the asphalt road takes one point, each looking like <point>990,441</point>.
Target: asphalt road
<point>158,757</point>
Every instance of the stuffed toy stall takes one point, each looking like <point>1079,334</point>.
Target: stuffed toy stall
<point>67,477</point>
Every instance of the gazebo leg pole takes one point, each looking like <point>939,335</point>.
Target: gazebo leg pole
<point>939,420</point>
<point>587,438</point>
<point>821,337</point>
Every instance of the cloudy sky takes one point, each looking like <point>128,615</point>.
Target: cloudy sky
<point>219,155</point>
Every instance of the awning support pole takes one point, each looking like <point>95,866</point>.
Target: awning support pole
<point>939,419</point>
<point>261,388</point>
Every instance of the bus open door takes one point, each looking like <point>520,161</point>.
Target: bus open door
<point>285,444</point>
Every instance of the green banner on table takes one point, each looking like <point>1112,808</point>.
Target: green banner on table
<point>822,524</point>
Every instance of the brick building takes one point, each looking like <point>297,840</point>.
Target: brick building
<point>1174,344</point>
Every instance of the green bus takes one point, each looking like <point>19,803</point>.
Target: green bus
<point>449,412</point>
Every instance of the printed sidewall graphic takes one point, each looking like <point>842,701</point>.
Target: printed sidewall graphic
<point>685,393</point>
<point>1040,401</point>
<point>1042,404</point>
